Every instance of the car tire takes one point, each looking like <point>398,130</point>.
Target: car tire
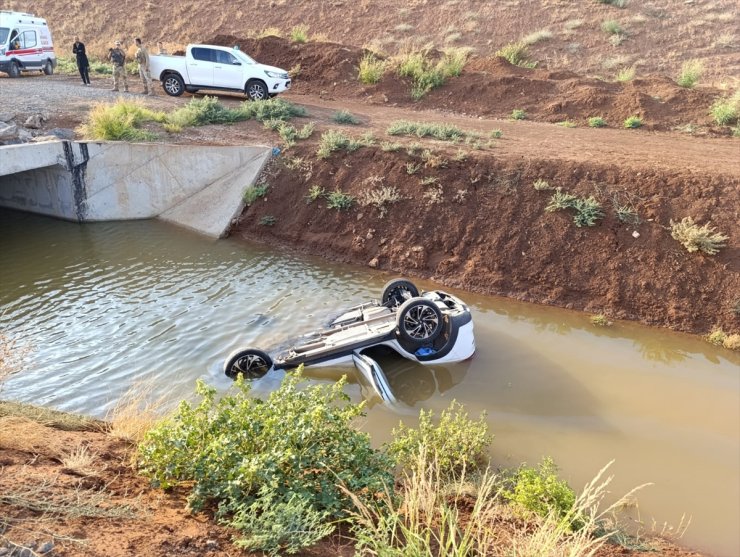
<point>256,90</point>
<point>419,321</point>
<point>397,291</point>
<point>173,85</point>
<point>48,68</point>
<point>14,70</point>
<point>250,362</point>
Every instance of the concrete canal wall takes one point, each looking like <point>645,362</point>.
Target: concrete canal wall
<point>199,187</point>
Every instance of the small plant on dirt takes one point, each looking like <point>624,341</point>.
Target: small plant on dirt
<point>633,122</point>
<point>586,210</point>
<point>518,114</point>
<point>255,192</point>
<point>691,72</point>
<point>566,124</point>
<point>344,117</point>
<point>443,132</point>
<point>697,238</point>
<point>537,36</point>
<point>412,168</point>
<point>120,121</point>
<point>389,147</point>
<point>626,214</point>
<point>600,320</point>
<point>294,71</point>
<point>496,134</point>
<point>460,196</point>
<point>626,74</point>
<point>460,156</point>
<point>412,149</point>
<point>331,140</point>
<point>732,342</point>
<point>726,110</point>
<point>560,200</point>
<point>380,198</point>
<point>271,109</point>
<point>716,337</point>
<point>81,461</point>
<point>247,456</point>
<point>540,491</point>
<point>426,74</point>
<point>429,181</point>
<point>371,69</point>
<point>456,443</point>
<point>517,54</point>
<point>542,185</point>
<point>299,34</point>
<point>288,133</point>
<point>433,160</point>
<point>200,112</point>
<point>611,27</point>
<point>314,193</point>
<point>434,194</point>
<point>268,220</point>
<point>339,200</point>
<point>596,122</point>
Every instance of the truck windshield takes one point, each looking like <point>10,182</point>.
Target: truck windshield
<point>4,34</point>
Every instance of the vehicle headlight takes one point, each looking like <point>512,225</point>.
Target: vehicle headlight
<point>277,75</point>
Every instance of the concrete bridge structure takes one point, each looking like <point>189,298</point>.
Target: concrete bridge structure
<point>199,187</point>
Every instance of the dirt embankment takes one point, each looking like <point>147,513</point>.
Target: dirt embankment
<point>479,224</point>
<point>491,87</point>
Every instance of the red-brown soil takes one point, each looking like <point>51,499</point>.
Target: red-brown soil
<point>107,510</point>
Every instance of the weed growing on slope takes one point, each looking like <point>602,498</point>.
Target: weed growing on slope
<point>268,220</point>
<point>380,198</point>
<point>271,109</point>
<point>517,54</point>
<point>518,114</point>
<point>726,110</point>
<point>691,72</point>
<point>596,122</point>
<point>587,210</point>
<point>339,200</point>
<point>600,320</point>
<point>626,74</point>
<point>299,34</point>
<point>331,140</point>
<point>255,192</point>
<point>314,192</point>
<point>120,121</point>
<point>542,185</point>
<point>633,122</point>
<point>344,117</point>
<point>425,73</point>
<point>443,132</point>
<point>611,27</point>
<point>697,238</point>
<point>371,69</point>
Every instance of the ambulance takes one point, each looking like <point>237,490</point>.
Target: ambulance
<point>25,44</point>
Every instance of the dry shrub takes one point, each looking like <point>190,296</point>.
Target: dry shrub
<point>135,413</point>
<point>697,238</point>
<point>81,461</point>
<point>732,342</point>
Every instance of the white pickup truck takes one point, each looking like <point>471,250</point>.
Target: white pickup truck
<point>220,68</point>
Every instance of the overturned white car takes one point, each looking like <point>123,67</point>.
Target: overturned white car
<point>428,328</point>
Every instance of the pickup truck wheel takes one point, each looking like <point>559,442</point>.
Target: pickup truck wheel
<point>173,85</point>
<point>48,68</point>
<point>251,363</point>
<point>256,90</point>
<point>14,70</point>
<point>419,321</point>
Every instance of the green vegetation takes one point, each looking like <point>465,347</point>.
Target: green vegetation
<point>537,36</point>
<point>517,54</point>
<point>339,200</point>
<point>344,117</point>
<point>633,122</point>
<point>496,134</point>
<point>611,27</point>
<point>268,220</point>
<point>626,74</point>
<point>542,185</point>
<point>315,192</point>
<point>299,34</point>
<point>541,492</point>
<point>697,238</point>
<point>567,124</point>
<point>443,132</point>
<point>371,69</point>
<point>518,114</point>
<point>389,147</point>
<point>587,210</point>
<point>255,192</point>
<point>427,74</point>
<point>412,168</point>
<point>286,455</point>
<point>271,109</point>
<point>456,444</point>
<point>691,72</point>
<point>380,198</point>
<point>718,337</point>
<point>288,133</point>
<point>600,320</point>
<point>331,140</point>
<point>726,110</point>
<point>596,122</point>
<point>120,121</point>
<point>208,110</point>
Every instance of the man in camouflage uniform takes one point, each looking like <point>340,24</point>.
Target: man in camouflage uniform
<point>118,58</point>
<point>142,57</point>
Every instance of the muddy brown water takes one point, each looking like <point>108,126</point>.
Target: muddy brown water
<point>104,306</point>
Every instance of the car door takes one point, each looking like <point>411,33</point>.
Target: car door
<point>228,71</point>
<point>30,48</point>
<point>200,66</point>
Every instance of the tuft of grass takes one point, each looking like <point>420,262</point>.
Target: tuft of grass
<point>537,36</point>
<point>732,342</point>
<point>600,320</point>
<point>412,168</point>
<point>389,147</point>
<point>135,413</point>
<point>596,122</point>
<point>716,337</point>
<point>567,124</point>
<point>299,34</point>
<point>255,192</point>
<point>626,214</point>
<point>611,27</point>
<point>271,109</point>
<point>120,121</point>
<point>517,54</point>
<point>339,200</point>
<point>425,73</point>
<point>626,74</point>
<point>288,133</point>
<point>496,134</point>
<point>371,69</point>
<point>344,117</point>
<point>268,220</point>
<point>331,140</point>
<point>80,461</point>
<point>380,198</point>
<point>726,110</point>
<point>542,185</point>
<point>443,132</point>
<point>315,192</point>
<point>518,114</point>
<point>633,122</point>
<point>697,238</point>
<point>691,72</point>
<point>587,210</point>
<point>64,421</point>
<point>199,112</point>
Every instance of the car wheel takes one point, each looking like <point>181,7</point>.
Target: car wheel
<point>250,362</point>
<point>419,320</point>
<point>398,291</point>
<point>48,68</point>
<point>173,85</point>
<point>14,70</point>
<point>256,90</point>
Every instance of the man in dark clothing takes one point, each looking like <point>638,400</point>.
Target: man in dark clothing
<point>78,49</point>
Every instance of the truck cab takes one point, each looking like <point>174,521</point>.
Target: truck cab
<point>218,68</point>
<point>25,44</point>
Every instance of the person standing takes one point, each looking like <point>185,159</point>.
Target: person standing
<point>142,57</point>
<point>83,64</point>
<point>118,58</point>
<point>161,50</point>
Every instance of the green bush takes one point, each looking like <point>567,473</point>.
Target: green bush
<point>540,491</point>
<point>339,200</point>
<point>697,238</point>
<point>289,451</point>
<point>691,72</point>
<point>271,109</point>
<point>344,117</point>
<point>611,27</point>
<point>371,69</point>
<point>596,122</point>
<point>426,74</point>
<point>587,210</point>
<point>199,112</point>
<point>331,140</point>
<point>120,121</point>
<point>633,122</point>
<point>299,34</point>
<point>268,220</point>
<point>66,65</point>
<point>516,53</point>
<point>518,114</point>
<point>255,192</point>
<point>455,444</point>
<point>443,132</point>
<point>726,111</point>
